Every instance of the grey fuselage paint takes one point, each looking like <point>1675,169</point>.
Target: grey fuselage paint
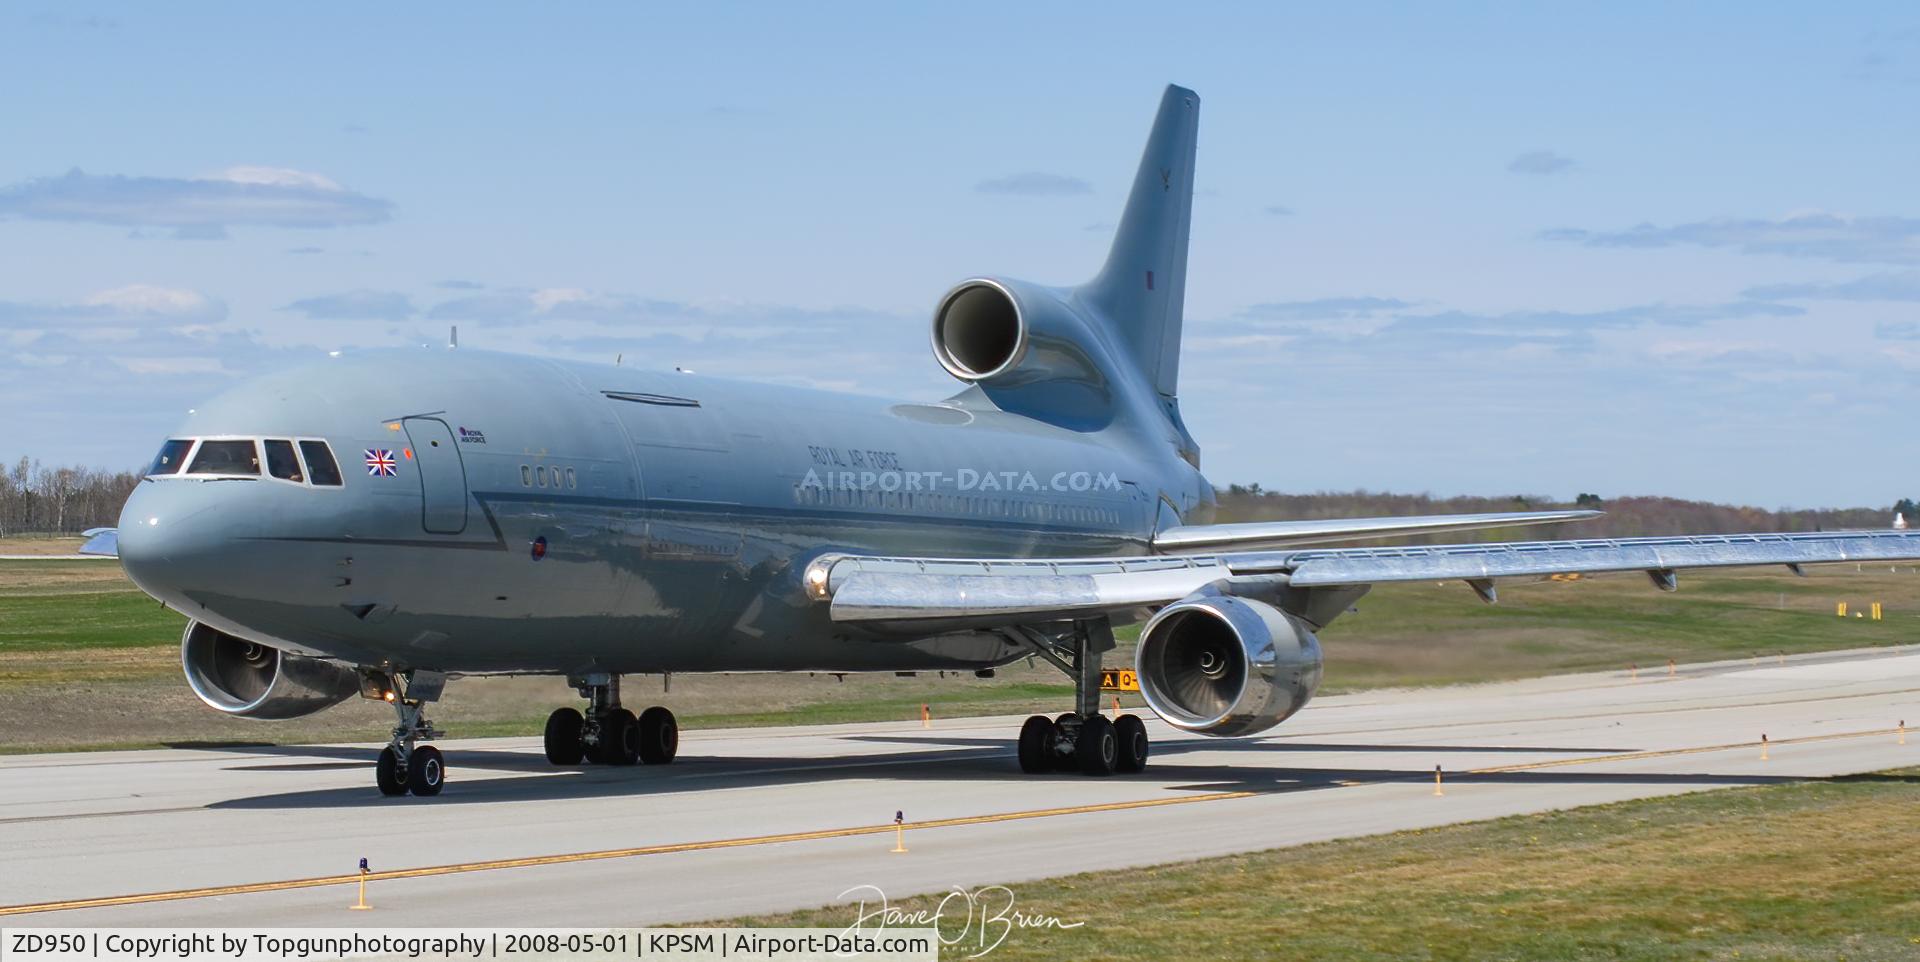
<point>677,516</point>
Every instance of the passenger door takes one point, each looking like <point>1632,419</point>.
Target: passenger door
<point>443,476</point>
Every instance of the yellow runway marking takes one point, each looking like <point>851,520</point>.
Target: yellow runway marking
<point>536,860</point>
<point>1670,752</point>
<point>564,859</point>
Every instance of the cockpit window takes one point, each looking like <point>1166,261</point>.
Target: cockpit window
<point>321,468</point>
<point>226,457</point>
<point>281,462</point>
<point>171,455</point>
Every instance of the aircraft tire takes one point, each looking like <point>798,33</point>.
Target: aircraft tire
<point>658,736</point>
<point>1131,733</point>
<point>563,737</point>
<point>387,774</point>
<point>1063,758</point>
<point>1036,745</point>
<point>426,772</point>
<point>619,738</point>
<point>1097,748</point>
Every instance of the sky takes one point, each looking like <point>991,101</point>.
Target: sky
<point>1617,248</point>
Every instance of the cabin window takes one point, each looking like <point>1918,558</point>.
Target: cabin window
<point>540,476</point>
<point>281,462</point>
<point>321,468</point>
<point>172,455</point>
<point>226,457</point>
<point>573,480</point>
<point>526,475</point>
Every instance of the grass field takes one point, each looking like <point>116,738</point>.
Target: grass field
<point>1813,870</point>
<point>86,660</point>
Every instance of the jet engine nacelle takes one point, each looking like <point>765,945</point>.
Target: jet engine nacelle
<point>1034,351</point>
<point>1224,665</point>
<point>252,680</point>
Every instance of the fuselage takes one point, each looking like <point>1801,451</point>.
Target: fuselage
<point>542,516</point>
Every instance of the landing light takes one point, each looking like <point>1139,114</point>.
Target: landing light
<point>817,577</point>
<point>387,695</point>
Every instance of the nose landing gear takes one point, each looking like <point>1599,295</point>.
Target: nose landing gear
<point>608,734</point>
<point>1082,740</point>
<point>404,767</point>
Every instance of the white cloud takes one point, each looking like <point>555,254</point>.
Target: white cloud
<point>150,299</point>
<point>1034,184</point>
<point>200,207</point>
<point>277,177</point>
<point>1540,163</point>
<point>1811,234</point>
<point>132,305</point>
<point>355,306</point>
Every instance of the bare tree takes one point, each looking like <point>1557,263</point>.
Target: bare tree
<point>61,500</point>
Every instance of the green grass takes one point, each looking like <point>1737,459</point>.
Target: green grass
<point>85,619</point>
<point>1814,870</point>
<point>1439,634</point>
<point>1418,634</point>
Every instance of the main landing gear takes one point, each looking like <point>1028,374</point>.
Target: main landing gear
<point>1083,740</point>
<point>609,734</point>
<point>404,767</point>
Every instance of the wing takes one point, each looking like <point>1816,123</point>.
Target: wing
<point>1288,534</point>
<point>101,541</point>
<point>927,592</point>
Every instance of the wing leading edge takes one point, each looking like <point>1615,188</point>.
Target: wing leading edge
<point>981,592</point>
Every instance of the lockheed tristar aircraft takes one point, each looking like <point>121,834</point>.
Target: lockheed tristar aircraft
<point>377,522</point>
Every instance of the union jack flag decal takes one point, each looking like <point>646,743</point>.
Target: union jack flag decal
<point>380,463</point>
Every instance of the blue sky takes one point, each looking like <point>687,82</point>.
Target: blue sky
<point>1622,248</point>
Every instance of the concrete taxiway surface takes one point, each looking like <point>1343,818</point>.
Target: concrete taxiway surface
<point>758,820</point>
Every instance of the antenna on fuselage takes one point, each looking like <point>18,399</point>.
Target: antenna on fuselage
<point>453,336</point>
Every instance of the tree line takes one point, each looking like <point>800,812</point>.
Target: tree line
<point>50,500</point>
<point>1627,517</point>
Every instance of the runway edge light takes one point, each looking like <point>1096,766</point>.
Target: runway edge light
<point>362,904</point>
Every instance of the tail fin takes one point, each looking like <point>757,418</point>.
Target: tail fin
<point>1143,285</point>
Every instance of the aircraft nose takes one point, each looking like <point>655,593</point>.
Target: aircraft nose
<point>170,539</point>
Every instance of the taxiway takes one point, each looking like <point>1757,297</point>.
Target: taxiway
<point>759,820</point>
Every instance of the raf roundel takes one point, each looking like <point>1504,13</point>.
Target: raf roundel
<point>380,463</point>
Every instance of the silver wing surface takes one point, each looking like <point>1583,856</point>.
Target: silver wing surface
<point>101,541</point>
<point>1248,535</point>
<point>933,592</point>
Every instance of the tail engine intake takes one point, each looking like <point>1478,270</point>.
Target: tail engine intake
<point>978,331</point>
<point>1224,665</point>
<point>252,680</point>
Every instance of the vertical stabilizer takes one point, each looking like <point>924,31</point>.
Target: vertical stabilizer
<point>1141,289</point>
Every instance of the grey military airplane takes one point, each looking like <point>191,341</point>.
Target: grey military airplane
<point>375,523</point>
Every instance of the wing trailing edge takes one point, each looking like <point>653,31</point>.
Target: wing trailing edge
<point>1253,535</point>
